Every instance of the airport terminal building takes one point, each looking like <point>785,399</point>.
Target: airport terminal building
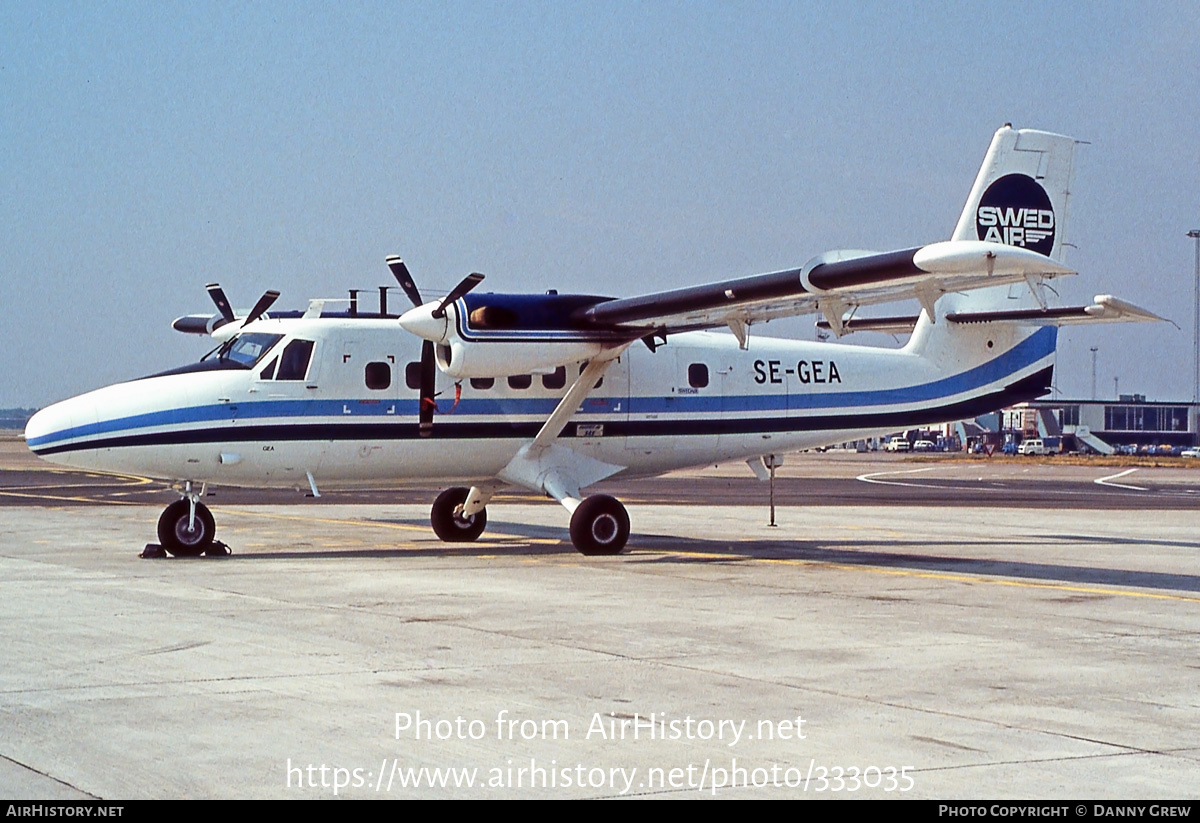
<point>1131,421</point>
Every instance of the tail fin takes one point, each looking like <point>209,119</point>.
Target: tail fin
<point>1007,335</point>
<point>1020,198</point>
<point>1021,194</point>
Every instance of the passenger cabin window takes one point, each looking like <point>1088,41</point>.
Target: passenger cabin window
<point>556,379</point>
<point>482,382</point>
<point>293,364</point>
<point>412,376</point>
<point>378,376</point>
<point>520,381</point>
<point>599,382</point>
<point>697,375</point>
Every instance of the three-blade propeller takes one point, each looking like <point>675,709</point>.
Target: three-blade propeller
<point>418,323</point>
<point>426,320</point>
<point>404,278</point>
<point>226,310</point>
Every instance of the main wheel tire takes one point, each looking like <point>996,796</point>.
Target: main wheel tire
<point>600,526</point>
<point>451,527</point>
<point>177,539</point>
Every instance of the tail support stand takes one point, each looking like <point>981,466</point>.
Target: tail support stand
<point>770,461</point>
<point>764,467</point>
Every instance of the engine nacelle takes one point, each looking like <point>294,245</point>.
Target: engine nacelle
<point>499,335</point>
<point>204,324</point>
<point>492,359</point>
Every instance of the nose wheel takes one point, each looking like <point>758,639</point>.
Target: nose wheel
<point>183,535</point>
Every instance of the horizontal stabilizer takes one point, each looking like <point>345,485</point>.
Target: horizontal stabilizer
<point>1105,309</point>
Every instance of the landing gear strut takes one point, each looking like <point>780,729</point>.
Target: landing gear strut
<point>183,534</point>
<point>600,525</point>
<point>448,521</point>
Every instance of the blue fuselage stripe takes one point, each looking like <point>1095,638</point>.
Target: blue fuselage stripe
<point>1028,352</point>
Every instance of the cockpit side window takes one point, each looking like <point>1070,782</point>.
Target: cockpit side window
<point>293,363</point>
<point>248,349</point>
<point>269,371</point>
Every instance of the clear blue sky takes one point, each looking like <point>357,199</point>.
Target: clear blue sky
<point>146,149</point>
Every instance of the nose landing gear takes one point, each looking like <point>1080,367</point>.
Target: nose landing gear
<point>186,527</point>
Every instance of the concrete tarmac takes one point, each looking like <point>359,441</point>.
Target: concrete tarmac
<point>914,649</point>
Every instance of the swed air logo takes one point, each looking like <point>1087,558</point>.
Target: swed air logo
<point>1016,210</point>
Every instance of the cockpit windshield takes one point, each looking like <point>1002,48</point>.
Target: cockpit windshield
<point>245,349</point>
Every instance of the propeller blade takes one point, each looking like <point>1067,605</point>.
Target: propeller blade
<point>465,285</point>
<point>264,303</point>
<point>428,376</point>
<point>218,296</point>
<point>400,272</point>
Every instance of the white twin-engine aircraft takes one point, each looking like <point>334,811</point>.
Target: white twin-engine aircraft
<point>554,392</point>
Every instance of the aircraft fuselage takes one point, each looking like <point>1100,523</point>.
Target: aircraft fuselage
<point>351,419</point>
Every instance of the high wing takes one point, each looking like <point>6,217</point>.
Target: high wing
<point>831,284</point>
<point>489,334</point>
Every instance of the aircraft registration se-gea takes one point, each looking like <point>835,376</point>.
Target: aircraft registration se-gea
<point>555,392</point>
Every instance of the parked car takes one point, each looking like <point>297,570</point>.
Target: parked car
<point>924,446</point>
<point>1032,446</point>
<point>897,444</point>
<point>1194,452</point>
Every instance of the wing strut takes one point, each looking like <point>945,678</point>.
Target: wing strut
<point>566,407</point>
<point>548,467</point>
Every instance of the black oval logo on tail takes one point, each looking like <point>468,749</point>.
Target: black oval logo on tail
<point>1016,210</point>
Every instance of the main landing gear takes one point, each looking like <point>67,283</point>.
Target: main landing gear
<point>599,524</point>
<point>449,522</point>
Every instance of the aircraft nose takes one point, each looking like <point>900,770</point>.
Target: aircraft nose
<point>43,424</point>
<point>421,322</point>
<point>57,423</point>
